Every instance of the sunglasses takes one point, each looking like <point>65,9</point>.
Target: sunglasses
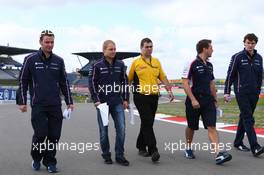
<point>46,32</point>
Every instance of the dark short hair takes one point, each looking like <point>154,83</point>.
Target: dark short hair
<point>45,33</point>
<point>250,37</point>
<point>204,43</point>
<point>145,40</point>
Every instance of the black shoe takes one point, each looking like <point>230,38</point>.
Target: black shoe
<point>258,151</point>
<point>242,147</point>
<point>155,156</point>
<point>122,161</point>
<point>35,165</point>
<point>188,153</point>
<point>52,169</point>
<point>108,161</point>
<point>222,157</point>
<point>144,153</point>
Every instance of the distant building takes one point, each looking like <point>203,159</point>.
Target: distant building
<point>9,68</point>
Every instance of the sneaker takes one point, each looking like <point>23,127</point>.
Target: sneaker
<point>222,157</point>
<point>188,153</point>
<point>52,169</point>
<point>35,165</point>
<point>155,156</point>
<point>144,153</point>
<point>122,161</point>
<point>258,151</point>
<point>108,161</point>
<point>242,147</point>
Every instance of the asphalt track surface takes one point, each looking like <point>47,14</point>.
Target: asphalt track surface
<point>82,128</point>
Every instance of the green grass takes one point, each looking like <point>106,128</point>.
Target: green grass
<point>230,111</point>
<point>79,98</point>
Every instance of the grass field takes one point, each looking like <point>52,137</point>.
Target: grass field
<point>230,111</point>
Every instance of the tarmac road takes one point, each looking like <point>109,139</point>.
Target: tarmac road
<point>16,133</point>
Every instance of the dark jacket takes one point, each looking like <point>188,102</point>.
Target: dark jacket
<point>245,72</point>
<point>46,78</point>
<point>108,83</point>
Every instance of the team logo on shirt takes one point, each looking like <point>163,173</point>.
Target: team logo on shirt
<point>142,67</point>
<point>199,67</point>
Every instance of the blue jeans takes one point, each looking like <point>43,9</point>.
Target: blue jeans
<point>118,115</point>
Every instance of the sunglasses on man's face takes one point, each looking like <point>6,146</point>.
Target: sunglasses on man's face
<point>46,32</point>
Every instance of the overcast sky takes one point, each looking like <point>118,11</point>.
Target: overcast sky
<point>174,26</point>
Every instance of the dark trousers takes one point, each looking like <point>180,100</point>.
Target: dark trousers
<point>47,124</point>
<point>146,106</point>
<point>247,104</point>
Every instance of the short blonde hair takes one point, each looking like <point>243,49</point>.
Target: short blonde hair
<point>106,43</point>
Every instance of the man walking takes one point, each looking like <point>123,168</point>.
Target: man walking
<point>145,72</point>
<point>201,100</point>
<point>44,73</point>
<point>108,84</point>
<point>245,72</point>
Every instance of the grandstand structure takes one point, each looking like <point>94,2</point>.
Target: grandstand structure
<point>78,83</point>
<point>9,68</point>
<point>93,56</point>
<point>79,80</point>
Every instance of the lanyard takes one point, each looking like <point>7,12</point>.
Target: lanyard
<point>149,63</point>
